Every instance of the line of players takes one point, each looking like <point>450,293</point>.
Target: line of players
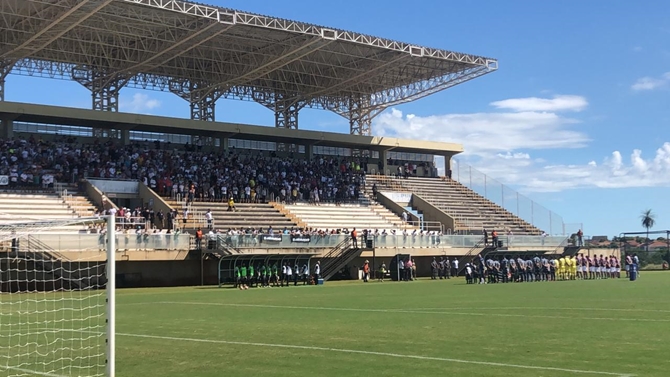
<point>271,275</point>
<point>541,269</point>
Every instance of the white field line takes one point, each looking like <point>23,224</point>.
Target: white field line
<point>29,372</point>
<point>407,311</point>
<point>542,308</point>
<point>373,353</point>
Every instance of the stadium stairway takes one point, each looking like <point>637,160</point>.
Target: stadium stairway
<point>330,216</point>
<point>337,258</point>
<point>471,211</point>
<point>34,206</point>
<point>247,215</point>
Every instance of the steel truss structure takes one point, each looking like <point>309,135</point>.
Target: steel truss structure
<point>203,53</point>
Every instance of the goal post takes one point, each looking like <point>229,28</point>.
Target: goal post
<point>57,304</point>
<point>111,297</point>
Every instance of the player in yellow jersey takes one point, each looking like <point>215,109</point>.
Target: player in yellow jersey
<point>561,268</point>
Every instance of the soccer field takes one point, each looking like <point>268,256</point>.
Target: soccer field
<point>422,328</point>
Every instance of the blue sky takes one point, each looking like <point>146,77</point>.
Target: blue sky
<point>576,117</point>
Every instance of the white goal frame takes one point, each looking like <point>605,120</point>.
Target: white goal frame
<point>17,230</point>
<point>111,296</point>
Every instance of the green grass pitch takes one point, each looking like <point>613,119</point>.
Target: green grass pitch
<point>422,328</point>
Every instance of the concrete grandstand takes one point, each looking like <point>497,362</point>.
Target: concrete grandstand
<point>284,181</point>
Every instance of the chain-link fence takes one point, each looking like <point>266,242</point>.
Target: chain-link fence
<point>511,200</point>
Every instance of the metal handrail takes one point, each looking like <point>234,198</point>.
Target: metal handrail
<point>333,254</point>
<point>477,246</point>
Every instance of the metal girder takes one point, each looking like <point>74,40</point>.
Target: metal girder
<point>170,49</point>
<point>44,35</point>
<point>416,90</point>
<point>5,69</point>
<point>104,92</point>
<point>366,73</point>
<point>285,107</point>
<point>360,116</point>
<point>153,44</point>
<point>188,43</point>
<point>279,55</point>
<point>202,102</point>
<point>255,20</point>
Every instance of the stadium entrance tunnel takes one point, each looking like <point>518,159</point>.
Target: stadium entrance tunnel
<point>228,263</point>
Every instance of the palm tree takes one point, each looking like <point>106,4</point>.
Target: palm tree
<point>648,220</point>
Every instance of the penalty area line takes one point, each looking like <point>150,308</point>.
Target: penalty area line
<point>375,353</point>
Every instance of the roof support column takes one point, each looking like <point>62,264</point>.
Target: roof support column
<point>360,117</point>
<point>286,116</point>
<point>286,108</point>
<point>201,97</point>
<point>5,68</point>
<point>105,88</point>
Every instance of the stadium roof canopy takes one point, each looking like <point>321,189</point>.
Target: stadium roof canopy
<point>204,53</point>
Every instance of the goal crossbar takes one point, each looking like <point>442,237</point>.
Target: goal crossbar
<point>9,231</point>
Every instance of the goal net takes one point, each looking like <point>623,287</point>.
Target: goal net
<point>56,303</point>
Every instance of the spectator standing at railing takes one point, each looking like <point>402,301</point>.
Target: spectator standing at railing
<point>354,238</point>
<point>170,220</point>
<point>198,239</point>
<point>486,237</point>
<point>160,220</point>
<point>580,238</point>
<point>209,218</point>
<point>494,238</point>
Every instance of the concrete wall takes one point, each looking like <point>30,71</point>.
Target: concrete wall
<point>97,197</point>
<point>431,213</point>
<point>396,208</point>
<point>165,273</point>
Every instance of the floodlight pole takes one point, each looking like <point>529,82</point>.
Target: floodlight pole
<point>111,295</point>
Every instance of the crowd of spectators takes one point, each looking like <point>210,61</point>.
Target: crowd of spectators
<point>188,171</point>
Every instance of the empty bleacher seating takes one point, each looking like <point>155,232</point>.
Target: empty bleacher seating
<point>348,216</point>
<point>247,215</point>
<point>34,206</point>
<point>471,211</point>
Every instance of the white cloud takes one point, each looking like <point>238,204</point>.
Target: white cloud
<point>502,144</point>
<point>651,83</point>
<point>139,103</point>
<point>615,172</point>
<point>558,103</point>
<point>486,133</point>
